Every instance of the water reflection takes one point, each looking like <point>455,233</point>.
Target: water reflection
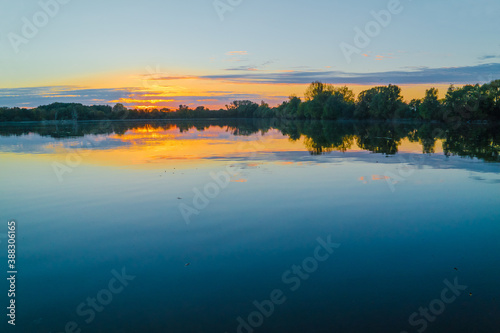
<point>405,211</point>
<point>318,137</point>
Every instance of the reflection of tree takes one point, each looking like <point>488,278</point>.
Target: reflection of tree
<point>379,138</point>
<point>473,141</point>
<point>317,149</point>
<point>378,145</point>
<point>324,137</point>
<point>427,139</point>
<point>320,137</point>
<point>291,129</point>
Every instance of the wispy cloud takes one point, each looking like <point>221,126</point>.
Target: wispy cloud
<point>138,96</point>
<point>36,96</point>
<point>251,67</point>
<point>167,78</point>
<point>242,68</point>
<point>384,56</point>
<point>489,57</point>
<point>420,75</point>
<point>232,53</point>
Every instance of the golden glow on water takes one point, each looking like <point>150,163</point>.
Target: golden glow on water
<point>407,146</point>
<point>168,148</point>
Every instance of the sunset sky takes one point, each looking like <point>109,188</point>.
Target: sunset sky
<point>200,52</point>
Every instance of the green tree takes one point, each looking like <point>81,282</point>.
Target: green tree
<point>381,103</point>
<point>430,107</point>
<point>244,109</point>
<point>291,109</point>
<point>318,90</point>
<point>464,104</point>
<point>340,104</point>
<point>364,103</point>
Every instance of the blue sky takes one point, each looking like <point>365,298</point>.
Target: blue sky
<point>261,49</point>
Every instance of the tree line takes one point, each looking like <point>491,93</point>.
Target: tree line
<point>470,103</point>
<point>324,101</point>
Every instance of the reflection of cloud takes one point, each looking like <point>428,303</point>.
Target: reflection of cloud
<point>436,161</point>
<point>36,144</point>
<point>373,178</point>
<point>485,180</point>
<point>378,177</point>
<point>365,180</point>
<point>219,143</point>
<point>239,181</point>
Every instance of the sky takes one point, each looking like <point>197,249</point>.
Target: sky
<point>204,52</point>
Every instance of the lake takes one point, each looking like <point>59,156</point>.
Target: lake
<point>252,226</point>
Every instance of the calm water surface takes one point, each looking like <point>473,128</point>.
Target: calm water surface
<point>207,223</point>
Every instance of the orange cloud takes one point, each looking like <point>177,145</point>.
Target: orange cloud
<point>231,53</point>
<point>377,177</point>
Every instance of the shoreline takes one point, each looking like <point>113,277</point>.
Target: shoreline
<point>374,121</point>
